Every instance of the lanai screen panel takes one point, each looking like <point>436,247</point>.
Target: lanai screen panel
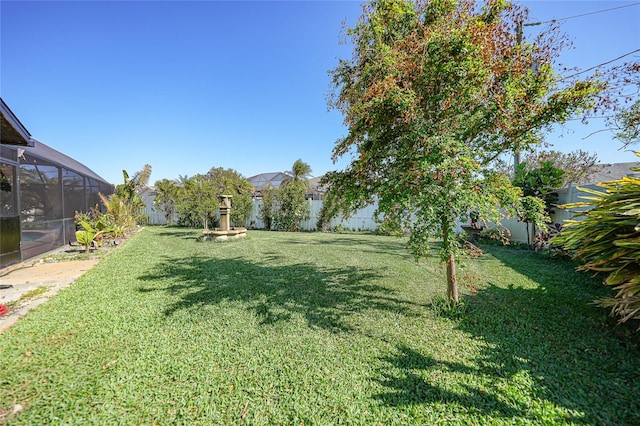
<point>48,188</point>
<point>41,206</point>
<point>9,216</point>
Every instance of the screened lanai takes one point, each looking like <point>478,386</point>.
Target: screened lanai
<point>40,191</point>
<point>276,179</point>
<point>264,180</point>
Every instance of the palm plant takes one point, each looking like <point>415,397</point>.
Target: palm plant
<point>300,171</point>
<point>608,240</point>
<point>124,216</point>
<point>92,233</point>
<point>166,192</point>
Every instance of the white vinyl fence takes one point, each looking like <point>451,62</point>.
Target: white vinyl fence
<point>362,220</point>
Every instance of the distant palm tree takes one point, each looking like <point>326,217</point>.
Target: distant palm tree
<point>182,180</point>
<point>300,172</point>
<point>166,193</point>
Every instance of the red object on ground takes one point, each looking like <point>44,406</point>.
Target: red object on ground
<point>3,310</point>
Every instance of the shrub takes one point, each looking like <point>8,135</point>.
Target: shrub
<point>92,227</point>
<point>267,206</point>
<point>291,206</point>
<point>123,216</point>
<point>444,307</point>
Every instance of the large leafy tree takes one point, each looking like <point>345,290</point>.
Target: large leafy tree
<point>197,197</point>
<point>433,93</point>
<point>230,182</point>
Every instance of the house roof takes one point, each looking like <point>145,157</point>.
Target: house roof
<point>51,155</point>
<point>12,131</point>
<point>275,179</point>
<point>615,171</point>
<point>261,181</point>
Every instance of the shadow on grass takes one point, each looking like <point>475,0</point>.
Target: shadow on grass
<point>325,297</point>
<point>411,387</point>
<point>545,341</point>
<point>184,233</point>
<point>361,243</point>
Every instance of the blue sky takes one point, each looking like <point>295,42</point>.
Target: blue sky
<point>186,86</point>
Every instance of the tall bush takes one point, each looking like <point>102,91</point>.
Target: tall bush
<point>166,193</point>
<point>538,189</point>
<point>607,240</point>
<point>291,206</point>
<point>267,208</point>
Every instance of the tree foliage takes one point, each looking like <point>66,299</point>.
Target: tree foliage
<point>607,240</point>
<point>628,122</point>
<point>540,182</point>
<point>125,206</point>
<point>621,100</point>
<point>267,207</point>
<point>300,171</point>
<point>196,199</point>
<point>434,92</point>
<point>577,165</point>
<point>230,182</point>
<point>129,191</point>
<point>538,188</point>
<point>165,193</point>
<point>291,206</point>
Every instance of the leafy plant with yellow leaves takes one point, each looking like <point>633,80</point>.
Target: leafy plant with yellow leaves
<point>607,240</point>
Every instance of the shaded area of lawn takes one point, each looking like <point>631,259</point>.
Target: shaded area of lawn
<point>315,329</point>
<point>324,296</point>
<point>545,342</point>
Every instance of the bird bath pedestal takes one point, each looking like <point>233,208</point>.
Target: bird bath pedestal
<point>225,231</point>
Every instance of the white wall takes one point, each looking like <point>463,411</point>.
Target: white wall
<point>568,195</point>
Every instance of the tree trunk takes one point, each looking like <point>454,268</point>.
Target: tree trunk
<point>452,282</point>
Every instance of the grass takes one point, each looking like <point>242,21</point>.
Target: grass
<point>310,328</point>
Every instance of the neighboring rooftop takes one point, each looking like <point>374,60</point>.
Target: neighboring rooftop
<point>263,180</point>
<point>276,179</point>
<point>609,172</point>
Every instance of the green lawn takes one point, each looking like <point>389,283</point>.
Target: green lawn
<point>312,328</point>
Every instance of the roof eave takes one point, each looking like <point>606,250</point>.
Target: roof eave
<point>13,131</point>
